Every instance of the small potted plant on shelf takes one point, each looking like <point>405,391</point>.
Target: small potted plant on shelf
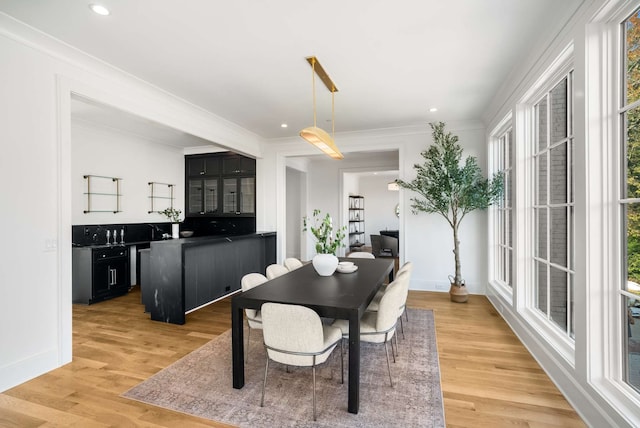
<point>173,215</point>
<point>325,261</point>
<point>451,188</point>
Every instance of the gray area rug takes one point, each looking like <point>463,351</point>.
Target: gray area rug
<point>200,384</point>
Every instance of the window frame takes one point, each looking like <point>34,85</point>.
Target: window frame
<point>504,128</point>
<point>548,205</point>
<point>603,171</point>
<point>526,136</point>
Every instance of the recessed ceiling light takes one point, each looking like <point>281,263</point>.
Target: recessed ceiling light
<point>433,109</point>
<point>283,125</point>
<point>99,9</point>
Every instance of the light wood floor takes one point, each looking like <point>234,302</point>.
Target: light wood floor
<point>488,377</point>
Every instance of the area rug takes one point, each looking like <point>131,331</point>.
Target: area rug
<point>200,384</point>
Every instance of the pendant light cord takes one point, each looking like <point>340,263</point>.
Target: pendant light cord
<point>313,85</point>
<point>333,115</point>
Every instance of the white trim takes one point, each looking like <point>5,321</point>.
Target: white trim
<point>559,69</point>
<point>495,247</point>
<point>64,220</point>
<point>603,233</point>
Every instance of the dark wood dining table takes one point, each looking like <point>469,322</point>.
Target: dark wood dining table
<point>341,295</point>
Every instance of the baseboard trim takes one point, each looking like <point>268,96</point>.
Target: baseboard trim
<point>27,369</point>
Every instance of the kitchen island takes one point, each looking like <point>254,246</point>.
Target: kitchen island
<point>188,273</point>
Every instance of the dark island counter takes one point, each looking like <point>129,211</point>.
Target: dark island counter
<point>188,273</point>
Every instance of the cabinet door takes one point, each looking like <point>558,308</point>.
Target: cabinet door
<point>236,164</point>
<point>194,197</point>
<point>211,194</point>
<point>101,279</point>
<point>247,195</point>
<point>247,165</point>
<point>203,165</point>
<point>230,196</point>
<point>118,274</point>
<point>212,165</point>
<point>195,166</point>
<point>231,165</point>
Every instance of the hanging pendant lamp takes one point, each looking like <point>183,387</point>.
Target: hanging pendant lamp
<point>314,135</point>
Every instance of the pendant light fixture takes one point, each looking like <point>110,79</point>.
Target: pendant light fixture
<point>314,135</point>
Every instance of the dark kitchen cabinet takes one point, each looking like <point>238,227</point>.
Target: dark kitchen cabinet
<point>186,274</point>
<point>220,185</point>
<point>238,165</point>
<point>202,196</point>
<point>209,273</point>
<point>203,165</point>
<point>239,196</point>
<point>99,273</point>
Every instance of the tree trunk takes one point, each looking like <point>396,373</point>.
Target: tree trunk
<point>456,253</point>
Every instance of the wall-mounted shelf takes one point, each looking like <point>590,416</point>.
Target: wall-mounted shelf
<point>159,192</point>
<point>356,222</point>
<point>101,195</point>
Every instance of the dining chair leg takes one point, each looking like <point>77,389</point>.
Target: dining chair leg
<point>342,360</point>
<point>402,327</point>
<point>247,347</point>
<point>314,387</point>
<point>264,383</point>
<point>388,364</point>
<point>392,353</point>
<point>397,347</point>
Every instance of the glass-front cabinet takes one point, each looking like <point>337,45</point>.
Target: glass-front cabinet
<point>202,196</point>
<point>221,184</point>
<point>239,196</point>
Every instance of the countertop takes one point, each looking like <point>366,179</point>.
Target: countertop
<point>195,240</point>
<point>204,240</point>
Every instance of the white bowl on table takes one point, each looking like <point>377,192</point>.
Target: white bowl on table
<point>347,267</point>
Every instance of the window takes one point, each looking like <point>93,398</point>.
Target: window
<point>553,205</point>
<point>502,162</point>
<point>630,196</point>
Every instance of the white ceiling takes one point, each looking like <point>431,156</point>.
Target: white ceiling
<point>244,60</point>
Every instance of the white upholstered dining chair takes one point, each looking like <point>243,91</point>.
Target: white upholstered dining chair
<point>380,326</point>
<point>275,270</point>
<point>305,342</point>
<point>403,276</point>
<point>360,255</point>
<point>292,263</point>
<point>254,318</point>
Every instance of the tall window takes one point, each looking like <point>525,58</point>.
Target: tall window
<point>553,205</point>
<point>630,196</point>
<point>503,151</point>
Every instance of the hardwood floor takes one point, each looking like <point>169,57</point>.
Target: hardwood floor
<point>488,377</point>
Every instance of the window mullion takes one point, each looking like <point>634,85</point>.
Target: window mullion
<point>547,203</point>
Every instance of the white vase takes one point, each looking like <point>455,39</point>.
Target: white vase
<point>175,230</point>
<point>325,264</point>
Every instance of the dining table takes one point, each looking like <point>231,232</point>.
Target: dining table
<point>339,296</point>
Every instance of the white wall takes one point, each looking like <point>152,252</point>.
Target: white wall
<point>296,184</point>
<point>109,152</point>
<point>37,78</point>
<point>425,239</point>
<point>379,205</point>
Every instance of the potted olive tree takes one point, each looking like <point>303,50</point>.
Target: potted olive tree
<point>451,188</point>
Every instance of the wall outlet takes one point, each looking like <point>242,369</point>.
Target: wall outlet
<point>50,245</point>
